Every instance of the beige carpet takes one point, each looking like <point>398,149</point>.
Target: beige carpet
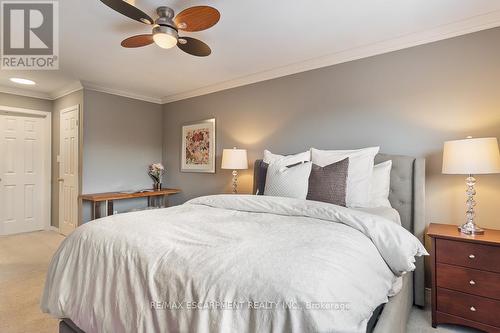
<point>24,260</point>
<point>420,322</point>
<point>23,264</point>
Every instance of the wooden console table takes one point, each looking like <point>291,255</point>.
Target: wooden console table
<point>97,198</point>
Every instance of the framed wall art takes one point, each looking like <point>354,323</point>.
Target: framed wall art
<point>198,147</point>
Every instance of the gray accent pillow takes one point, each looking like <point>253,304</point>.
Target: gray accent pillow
<point>261,177</point>
<point>329,183</point>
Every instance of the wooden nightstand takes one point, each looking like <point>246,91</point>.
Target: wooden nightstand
<point>465,278</point>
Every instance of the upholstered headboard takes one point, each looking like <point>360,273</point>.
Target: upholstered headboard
<point>407,196</point>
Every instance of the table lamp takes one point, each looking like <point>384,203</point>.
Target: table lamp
<point>234,159</point>
<point>469,157</point>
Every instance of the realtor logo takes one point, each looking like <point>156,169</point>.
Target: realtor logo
<point>30,35</point>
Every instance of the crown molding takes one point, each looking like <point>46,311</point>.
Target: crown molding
<point>99,88</point>
<point>71,88</point>
<point>75,86</point>
<point>24,92</point>
<point>470,25</point>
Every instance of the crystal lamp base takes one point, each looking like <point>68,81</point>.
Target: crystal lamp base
<point>470,229</point>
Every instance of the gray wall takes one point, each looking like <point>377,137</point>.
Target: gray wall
<point>75,98</point>
<point>18,101</point>
<point>408,102</point>
<point>121,137</point>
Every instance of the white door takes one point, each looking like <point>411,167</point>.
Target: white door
<point>68,171</point>
<point>21,173</point>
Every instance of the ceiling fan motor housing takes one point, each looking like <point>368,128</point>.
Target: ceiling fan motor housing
<point>165,17</point>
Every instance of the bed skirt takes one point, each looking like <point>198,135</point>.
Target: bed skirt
<point>390,317</point>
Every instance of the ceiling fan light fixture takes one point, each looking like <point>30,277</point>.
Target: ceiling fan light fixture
<point>165,37</point>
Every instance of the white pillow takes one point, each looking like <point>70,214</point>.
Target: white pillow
<point>286,159</point>
<point>291,182</point>
<point>359,174</point>
<point>381,185</point>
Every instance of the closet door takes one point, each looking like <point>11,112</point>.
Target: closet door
<point>68,170</point>
<point>21,174</point>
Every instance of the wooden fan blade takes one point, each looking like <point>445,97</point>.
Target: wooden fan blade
<point>128,10</point>
<point>194,46</point>
<point>138,41</point>
<point>197,18</point>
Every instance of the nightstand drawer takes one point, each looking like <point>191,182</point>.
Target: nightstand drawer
<point>476,308</point>
<point>468,280</point>
<point>473,255</point>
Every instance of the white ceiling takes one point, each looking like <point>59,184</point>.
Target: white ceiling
<point>254,41</point>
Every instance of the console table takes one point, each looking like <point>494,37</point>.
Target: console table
<point>97,198</point>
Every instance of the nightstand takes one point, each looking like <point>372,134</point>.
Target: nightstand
<point>465,278</point>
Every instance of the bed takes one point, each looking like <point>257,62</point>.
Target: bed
<point>407,197</point>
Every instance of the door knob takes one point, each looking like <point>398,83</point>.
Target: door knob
<point>60,180</point>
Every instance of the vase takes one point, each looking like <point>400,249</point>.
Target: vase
<point>157,186</point>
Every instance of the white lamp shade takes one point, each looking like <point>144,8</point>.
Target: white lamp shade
<point>471,156</point>
<point>234,159</point>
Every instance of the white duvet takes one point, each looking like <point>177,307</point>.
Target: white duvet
<point>229,264</point>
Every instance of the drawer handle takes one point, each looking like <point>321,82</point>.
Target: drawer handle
<point>471,256</point>
<point>472,282</point>
<point>473,309</point>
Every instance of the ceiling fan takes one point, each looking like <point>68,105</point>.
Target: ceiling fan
<point>166,26</point>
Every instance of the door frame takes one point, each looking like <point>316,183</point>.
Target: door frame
<point>76,108</point>
<point>47,163</point>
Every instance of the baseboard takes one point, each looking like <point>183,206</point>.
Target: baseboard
<point>52,228</point>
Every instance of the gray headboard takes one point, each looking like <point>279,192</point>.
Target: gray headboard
<point>407,196</point>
